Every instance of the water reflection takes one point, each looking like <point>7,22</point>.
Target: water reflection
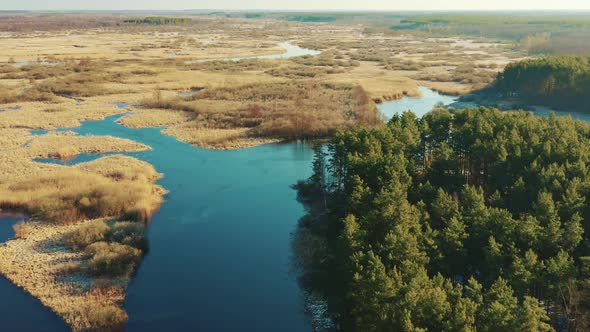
<point>419,105</point>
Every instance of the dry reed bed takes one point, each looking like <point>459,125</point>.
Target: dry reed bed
<point>38,260</point>
<point>35,264</point>
<point>63,145</point>
<point>282,110</point>
<point>18,162</point>
<point>64,114</point>
<point>59,197</point>
<point>217,139</point>
<point>144,118</point>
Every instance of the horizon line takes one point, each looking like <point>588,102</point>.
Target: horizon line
<point>307,10</point>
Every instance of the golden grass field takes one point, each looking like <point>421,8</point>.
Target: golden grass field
<point>243,104</point>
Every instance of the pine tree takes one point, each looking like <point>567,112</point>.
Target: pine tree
<point>532,317</point>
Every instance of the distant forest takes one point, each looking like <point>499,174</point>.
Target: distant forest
<point>159,20</point>
<point>562,82</point>
<point>474,220</point>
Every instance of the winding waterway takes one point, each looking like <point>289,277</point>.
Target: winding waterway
<point>219,256</point>
<point>291,51</point>
<point>219,246</point>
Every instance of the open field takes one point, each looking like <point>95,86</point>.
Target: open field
<point>64,73</point>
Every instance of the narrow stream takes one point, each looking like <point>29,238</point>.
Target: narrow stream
<point>291,51</point>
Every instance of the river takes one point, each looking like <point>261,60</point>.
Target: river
<point>291,51</point>
<point>219,255</point>
<point>220,244</point>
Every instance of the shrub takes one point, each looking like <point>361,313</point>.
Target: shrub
<point>112,258</point>
<point>90,232</point>
<point>68,268</point>
<point>21,230</point>
<point>130,233</point>
<point>64,153</point>
<point>105,317</point>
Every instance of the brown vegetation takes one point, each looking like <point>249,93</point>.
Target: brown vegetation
<point>81,270</point>
<point>303,71</point>
<point>60,278</point>
<point>30,22</point>
<point>112,258</point>
<point>71,195</point>
<point>284,110</point>
<point>90,232</point>
<point>21,230</point>
<point>124,232</point>
<point>465,74</point>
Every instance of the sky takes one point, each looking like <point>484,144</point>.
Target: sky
<point>295,4</point>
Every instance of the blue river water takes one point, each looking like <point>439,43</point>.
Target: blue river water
<point>219,246</point>
<point>418,105</point>
<point>291,51</point>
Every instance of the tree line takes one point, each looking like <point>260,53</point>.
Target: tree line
<point>558,81</point>
<point>465,221</point>
<point>159,20</point>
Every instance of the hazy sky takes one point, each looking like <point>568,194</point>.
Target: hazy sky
<point>295,4</point>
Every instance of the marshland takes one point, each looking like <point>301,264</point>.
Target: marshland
<point>147,162</point>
